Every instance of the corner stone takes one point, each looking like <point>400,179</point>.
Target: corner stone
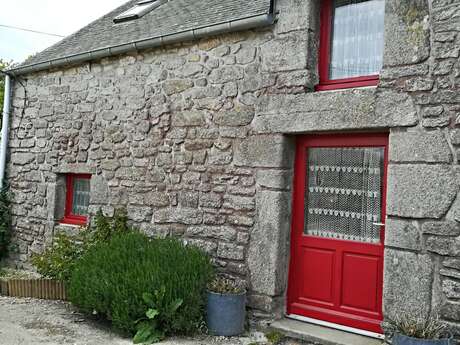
<point>420,191</point>
<point>407,283</point>
<point>268,250</point>
<point>265,151</point>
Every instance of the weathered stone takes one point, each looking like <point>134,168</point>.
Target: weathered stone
<point>224,233</point>
<point>406,292</point>
<point>176,86</point>
<point>188,118</point>
<point>188,199</point>
<point>402,234</point>
<point>276,53</point>
<point>239,203</point>
<point>211,200</point>
<point>22,158</point>
<point>238,116</point>
<point>189,216</point>
<point>277,179</point>
<point>99,190</point>
<point>230,251</point>
<point>451,288</point>
<point>139,213</point>
<point>452,263</point>
<point>450,311</point>
<point>441,228</point>
<point>226,74</point>
<point>406,32</point>
<point>419,146</point>
<point>267,255</point>
<point>420,191</point>
<point>443,245</point>
<point>156,199</point>
<point>289,113</point>
<point>264,151</point>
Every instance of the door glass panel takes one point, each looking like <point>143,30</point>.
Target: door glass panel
<point>343,195</point>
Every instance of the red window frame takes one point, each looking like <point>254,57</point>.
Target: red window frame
<point>325,83</point>
<point>69,217</point>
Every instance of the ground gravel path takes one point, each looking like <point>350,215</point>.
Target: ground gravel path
<point>26,321</point>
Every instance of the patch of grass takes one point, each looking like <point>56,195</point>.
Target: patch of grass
<point>274,337</point>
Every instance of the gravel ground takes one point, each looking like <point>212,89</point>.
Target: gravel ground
<point>29,321</point>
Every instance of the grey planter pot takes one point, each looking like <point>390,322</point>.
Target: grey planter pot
<point>399,339</point>
<point>226,313</point>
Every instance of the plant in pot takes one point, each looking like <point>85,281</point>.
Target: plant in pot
<point>226,307</point>
<point>419,330</point>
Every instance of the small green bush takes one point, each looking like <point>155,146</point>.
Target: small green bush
<point>114,279</point>
<point>58,261</point>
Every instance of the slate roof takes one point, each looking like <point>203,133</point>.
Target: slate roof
<point>172,17</point>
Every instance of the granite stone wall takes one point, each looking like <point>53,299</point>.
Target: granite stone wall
<point>197,141</point>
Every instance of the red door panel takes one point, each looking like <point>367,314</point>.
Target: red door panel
<point>336,267</point>
<point>360,282</point>
<point>318,273</point>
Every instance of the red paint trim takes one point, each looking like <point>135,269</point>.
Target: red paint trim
<point>69,217</point>
<point>296,304</point>
<point>325,83</point>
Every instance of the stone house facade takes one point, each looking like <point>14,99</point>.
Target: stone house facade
<point>198,139</point>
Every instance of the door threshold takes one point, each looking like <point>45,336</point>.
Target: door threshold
<point>336,326</point>
<point>319,334</point>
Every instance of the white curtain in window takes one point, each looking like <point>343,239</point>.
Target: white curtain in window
<point>357,38</point>
<point>343,196</point>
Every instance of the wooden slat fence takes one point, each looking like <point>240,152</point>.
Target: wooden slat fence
<point>35,288</point>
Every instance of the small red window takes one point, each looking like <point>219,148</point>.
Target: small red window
<point>77,199</point>
<point>351,43</point>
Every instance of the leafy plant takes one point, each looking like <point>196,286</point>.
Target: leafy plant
<point>151,329</point>
<point>225,285</point>
<point>131,275</point>
<point>59,260</point>
<point>418,326</point>
<point>5,221</point>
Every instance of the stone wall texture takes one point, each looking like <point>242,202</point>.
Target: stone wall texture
<point>197,141</point>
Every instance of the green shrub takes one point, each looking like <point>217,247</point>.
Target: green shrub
<point>114,279</point>
<point>5,222</point>
<point>58,261</point>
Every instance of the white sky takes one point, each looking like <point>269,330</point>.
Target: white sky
<point>61,17</point>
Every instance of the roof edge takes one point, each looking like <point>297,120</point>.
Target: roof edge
<point>252,22</point>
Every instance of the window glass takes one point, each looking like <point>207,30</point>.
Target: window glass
<point>343,195</point>
<point>356,38</point>
<point>80,196</point>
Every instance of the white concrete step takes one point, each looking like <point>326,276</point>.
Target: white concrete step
<point>319,334</point>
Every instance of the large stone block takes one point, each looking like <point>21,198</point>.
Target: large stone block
<point>277,179</point>
<point>268,249</point>
<point>420,191</point>
<point>239,116</point>
<point>407,32</point>
<point>345,109</point>
<point>99,190</point>
<point>265,151</point>
<point>419,146</point>
<point>443,245</point>
<point>407,283</point>
<point>402,234</point>
<point>277,54</point>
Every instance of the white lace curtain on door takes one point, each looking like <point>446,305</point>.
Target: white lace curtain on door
<point>357,38</point>
<point>343,194</point>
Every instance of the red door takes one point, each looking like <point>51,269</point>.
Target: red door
<point>336,268</point>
